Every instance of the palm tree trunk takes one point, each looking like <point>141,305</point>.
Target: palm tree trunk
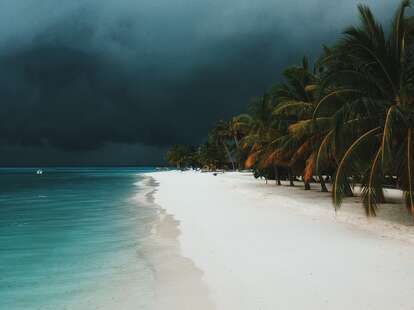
<point>348,190</point>
<point>238,151</point>
<point>277,175</point>
<point>229,155</point>
<point>237,142</point>
<point>324,189</point>
<point>307,185</point>
<point>410,198</point>
<point>291,178</point>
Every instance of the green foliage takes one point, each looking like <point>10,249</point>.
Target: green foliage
<point>181,156</point>
<point>351,117</point>
<point>211,156</point>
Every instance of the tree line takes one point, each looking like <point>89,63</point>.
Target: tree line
<point>347,119</point>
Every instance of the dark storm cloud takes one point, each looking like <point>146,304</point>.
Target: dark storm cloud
<point>77,75</point>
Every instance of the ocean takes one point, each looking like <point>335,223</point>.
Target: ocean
<point>74,238</point>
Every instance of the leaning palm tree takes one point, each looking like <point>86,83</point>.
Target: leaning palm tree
<point>368,78</point>
<point>297,99</point>
<point>259,133</point>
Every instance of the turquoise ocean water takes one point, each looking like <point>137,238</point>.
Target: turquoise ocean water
<point>73,239</point>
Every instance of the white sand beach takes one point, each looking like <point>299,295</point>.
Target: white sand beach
<point>266,247</point>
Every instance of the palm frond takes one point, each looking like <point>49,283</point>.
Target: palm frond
<point>330,95</point>
<point>309,127</point>
<point>309,167</point>
<point>322,153</point>
<point>250,161</point>
<point>338,189</point>
<point>372,192</point>
<point>293,108</point>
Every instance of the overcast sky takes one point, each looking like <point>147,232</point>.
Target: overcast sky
<point>118,81</point>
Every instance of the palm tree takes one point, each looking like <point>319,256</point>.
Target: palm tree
<point>211,155</point>
<point>368,80</point>
<point>239,126</point>
<point>180,156</point>
<point>258,130</point>
<point>351,117</point>
<point>297,100</point>
<point>221,134</point>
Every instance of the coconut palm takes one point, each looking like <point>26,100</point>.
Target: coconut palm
<point>297,99</point>
<point>351,117</point>
<point>239,127</point>
<point>258,128</point>
<point>368,77</point>
<point>221,134</point>
<point>180,156</point>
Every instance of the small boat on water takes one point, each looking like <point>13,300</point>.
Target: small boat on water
<point>39,171</point>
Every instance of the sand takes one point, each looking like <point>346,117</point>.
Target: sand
<point>252,245</point>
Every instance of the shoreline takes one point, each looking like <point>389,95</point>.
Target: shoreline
<point>178,282</point>
<point>262,246</point>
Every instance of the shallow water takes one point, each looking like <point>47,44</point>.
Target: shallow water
<point>73,238</point>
